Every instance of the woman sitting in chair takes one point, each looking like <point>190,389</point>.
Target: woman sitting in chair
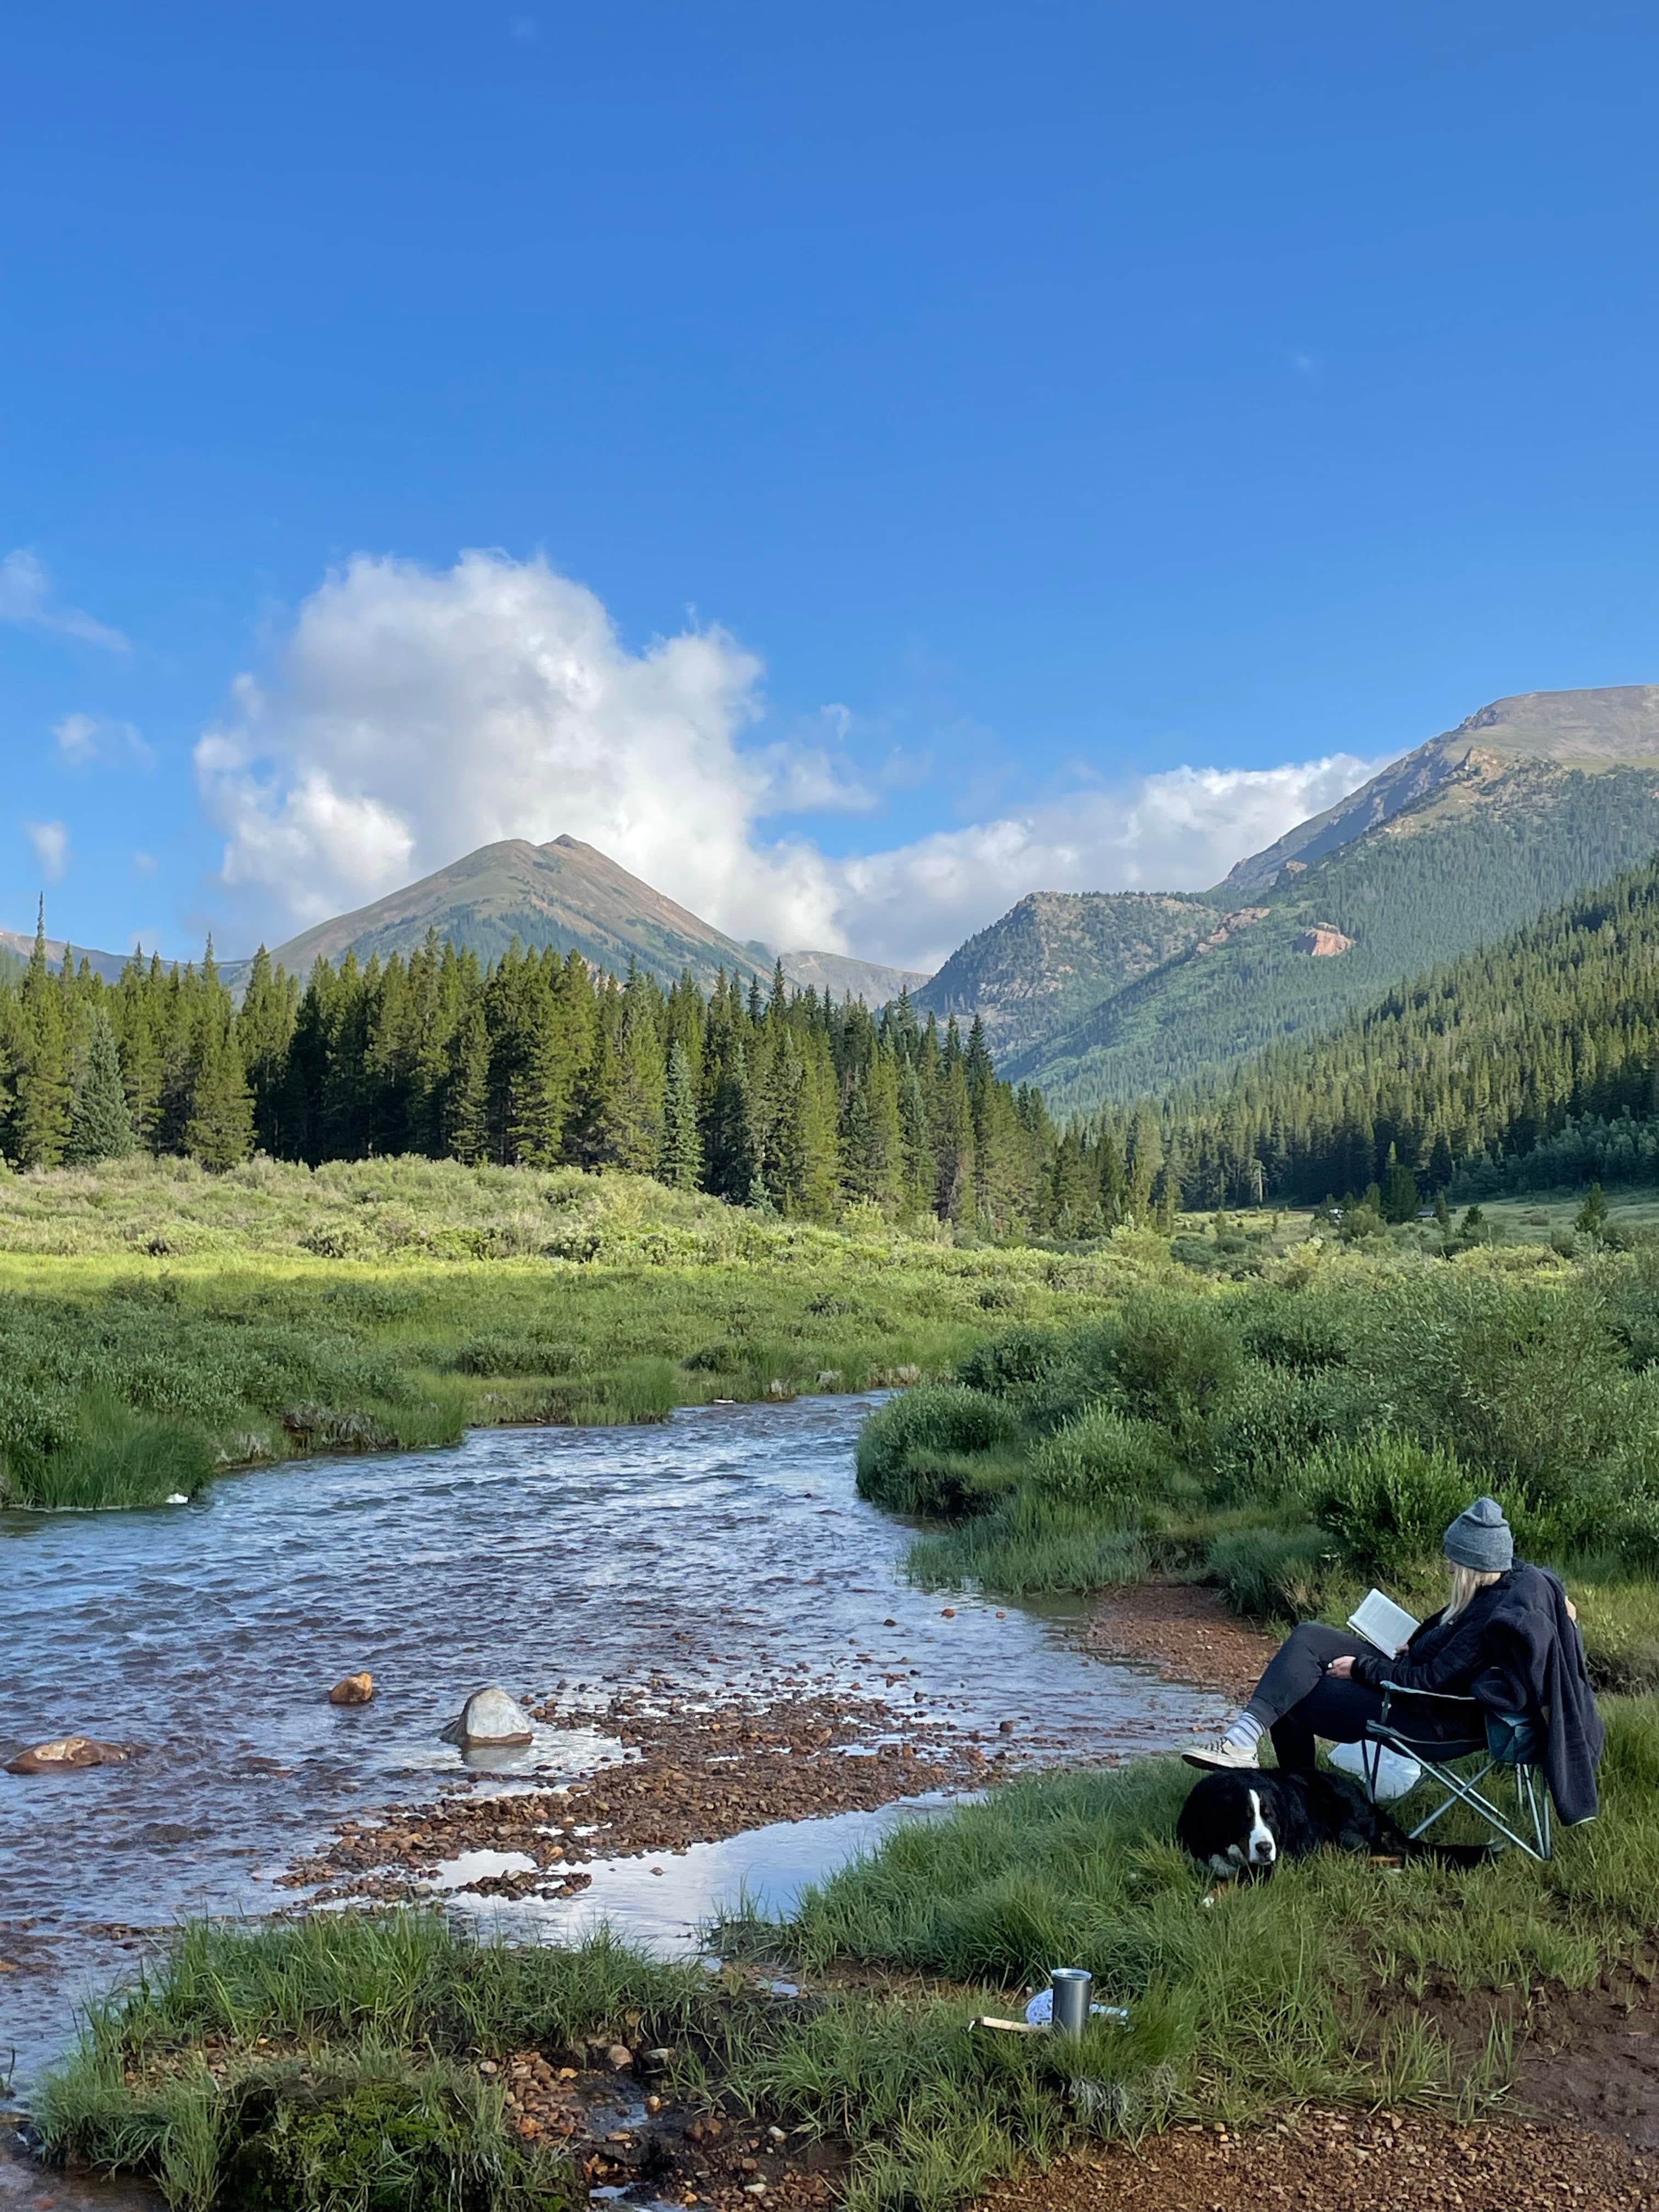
<point>1507,1636</point>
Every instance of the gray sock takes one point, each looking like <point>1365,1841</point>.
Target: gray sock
<point>1243,1732</point>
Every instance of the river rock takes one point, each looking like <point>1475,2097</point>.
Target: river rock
<point>355,1690</point>
<point>65,1752</point>
<point>490,1718</point>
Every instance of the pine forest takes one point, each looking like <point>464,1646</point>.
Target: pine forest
<point>788,1101</point>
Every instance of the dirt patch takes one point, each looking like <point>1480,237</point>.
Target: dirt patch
<point>688,1777</point>
<point>606,2114</point>
<point>1185,1631</point>
<point>1337,2162</point>
<point>1593,2055</point>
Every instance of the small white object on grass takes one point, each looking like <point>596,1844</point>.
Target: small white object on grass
<point>177,1499</point>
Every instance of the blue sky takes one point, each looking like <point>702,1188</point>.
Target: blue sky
<point>911,455</point>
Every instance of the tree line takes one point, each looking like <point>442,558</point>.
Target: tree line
<point>783,1100</point>
<point>1546,1044</point>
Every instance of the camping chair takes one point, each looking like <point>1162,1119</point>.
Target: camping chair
<point>1509,1742</point>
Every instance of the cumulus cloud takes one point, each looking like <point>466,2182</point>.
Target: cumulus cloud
<point>414,715</point>
<point>50,843</point>
<point>27,596</point>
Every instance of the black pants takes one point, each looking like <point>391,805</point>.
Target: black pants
<point>1295,1700</point>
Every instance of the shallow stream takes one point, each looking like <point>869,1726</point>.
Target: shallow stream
<point>723,1549</point>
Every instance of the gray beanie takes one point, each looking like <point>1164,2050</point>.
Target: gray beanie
<point>1480,1538</point>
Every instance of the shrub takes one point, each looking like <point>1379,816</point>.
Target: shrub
<point>1105,1459</point>
<point>1386,1500</point>
<point>495,1356</point>
<point>1011,1365</point>
<point>934,1419</point>
<point>1173,1357</point>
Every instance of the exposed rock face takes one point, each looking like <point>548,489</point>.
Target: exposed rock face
<point>66,1751</point>
<point>1323,943</point>
<point>490,1718</point>
<point>355,1690</point>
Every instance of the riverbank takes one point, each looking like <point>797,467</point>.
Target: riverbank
<point>160,1326</point>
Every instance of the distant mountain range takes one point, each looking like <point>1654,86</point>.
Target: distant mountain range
<point>1101,997</point>
<point>1474,834</point>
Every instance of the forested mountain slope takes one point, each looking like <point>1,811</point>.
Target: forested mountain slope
<point>1056,955</point>
<point>1489,850</point>
<point>1106,997</point>
<point>1494,1054</point>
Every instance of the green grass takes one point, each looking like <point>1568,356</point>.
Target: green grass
<point>157,1323</point>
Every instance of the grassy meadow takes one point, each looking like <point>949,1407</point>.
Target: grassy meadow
<point>1282,1415</point>
<point>159,1324</point>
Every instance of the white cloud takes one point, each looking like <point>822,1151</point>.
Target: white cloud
<point>144,864</point>
<point>27,596</point>
<point>415,715</point>
<point>50,843</point>
<point>1178,831</point>
<point>84,739</point>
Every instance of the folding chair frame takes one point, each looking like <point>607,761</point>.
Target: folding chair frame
<point>1532,1796</point>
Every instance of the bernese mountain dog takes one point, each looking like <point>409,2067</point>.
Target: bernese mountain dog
<point>1240,1823</point>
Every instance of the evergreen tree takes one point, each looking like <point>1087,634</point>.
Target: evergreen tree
<point>682,1141</point>
<point>220,1131</point>
<point>99,1125</point>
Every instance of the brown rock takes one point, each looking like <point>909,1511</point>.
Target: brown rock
<point>355,1690</point>
<point>67,1751</point>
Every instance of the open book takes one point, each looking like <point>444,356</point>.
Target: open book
<point>1382,1622</point>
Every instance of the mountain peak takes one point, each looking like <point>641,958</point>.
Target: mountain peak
<point>1592,730</point>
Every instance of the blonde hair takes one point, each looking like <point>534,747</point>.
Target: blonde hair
<point>1466,1581</point>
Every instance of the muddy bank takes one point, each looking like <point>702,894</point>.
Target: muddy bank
<point>1184,1630</point>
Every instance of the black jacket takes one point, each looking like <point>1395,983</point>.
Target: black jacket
<point>1516,1648</point>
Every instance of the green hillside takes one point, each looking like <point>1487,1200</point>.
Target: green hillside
<point>1543,1050</point>
<point>1056,955</point>
<point>1482,854</point>
<point>1103,997</point>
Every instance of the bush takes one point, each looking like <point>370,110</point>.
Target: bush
<point>1386,1500</point>
<point>1105,1459</point>
<point>932,1419</point>
<point>496,1356</point>
<point>1174,1358</point>
<point>1013,1365</point>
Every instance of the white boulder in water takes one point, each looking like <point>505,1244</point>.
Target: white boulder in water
<point>490,1718</point>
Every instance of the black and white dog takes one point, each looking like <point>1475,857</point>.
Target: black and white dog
<point>1241,1823</point>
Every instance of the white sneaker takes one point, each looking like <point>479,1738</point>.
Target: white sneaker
<point>1225,1757</point>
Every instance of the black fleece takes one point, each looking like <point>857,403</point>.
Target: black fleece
<point>1516,1648</point>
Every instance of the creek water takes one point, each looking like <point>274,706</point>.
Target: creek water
<point>720,1551</point>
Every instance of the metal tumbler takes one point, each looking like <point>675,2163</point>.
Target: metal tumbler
<point>1071,1986</point>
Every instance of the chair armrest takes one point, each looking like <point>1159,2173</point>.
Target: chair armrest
<point>1440,1697</point>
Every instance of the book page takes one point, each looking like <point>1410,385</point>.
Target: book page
<point>1382,1622</point>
